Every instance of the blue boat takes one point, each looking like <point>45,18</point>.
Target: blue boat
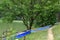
<point>22,34</point>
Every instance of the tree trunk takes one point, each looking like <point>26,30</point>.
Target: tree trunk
<point>24,38</point>
<point>58,17</point>
<point>28,28</point>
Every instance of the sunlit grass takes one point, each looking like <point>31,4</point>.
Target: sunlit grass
<point>56,32</point>
<point>15,26</point>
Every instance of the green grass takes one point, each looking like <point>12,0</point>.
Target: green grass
<point>42,35</point>
<point>56,32</point>
<point>18,26</point>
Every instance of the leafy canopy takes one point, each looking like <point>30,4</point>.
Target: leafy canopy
<point>38,12</point>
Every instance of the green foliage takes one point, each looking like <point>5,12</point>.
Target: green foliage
<point>47,19</point>
<point>38,12</point>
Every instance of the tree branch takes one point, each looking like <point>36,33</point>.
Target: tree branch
<point>31,22</point>
<point>25,23</point>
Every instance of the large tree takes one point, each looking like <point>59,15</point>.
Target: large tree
<point>38,12</point>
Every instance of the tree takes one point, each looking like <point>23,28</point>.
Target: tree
<point>33,12</point>
<point>30,10</point>
<point>58,14</point>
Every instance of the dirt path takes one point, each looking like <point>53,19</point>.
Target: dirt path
<point>50,34</point>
